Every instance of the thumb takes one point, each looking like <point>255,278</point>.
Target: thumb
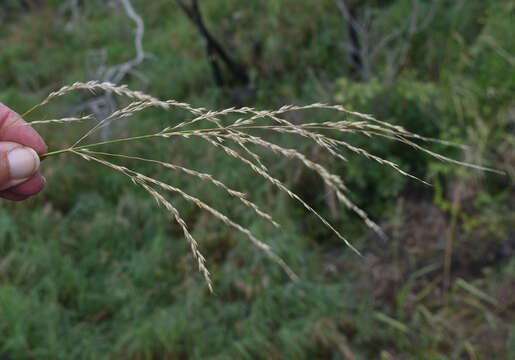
<point>17,164</point>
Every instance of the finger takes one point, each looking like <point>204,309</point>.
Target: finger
<point>10,196</point>
<point>13,128</point>
<point>17,164</point>
<point>30,187</point>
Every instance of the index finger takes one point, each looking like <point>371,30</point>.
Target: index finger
<point>19,132</point>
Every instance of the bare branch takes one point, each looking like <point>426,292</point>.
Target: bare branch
<point>394,46</point>
<point>96,66</point>
<point>73,7</point>
<point>347,16</point>
<point>213,47</point>
<point>356,34</point>
<point>116,73</point>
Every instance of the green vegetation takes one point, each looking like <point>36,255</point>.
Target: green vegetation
<point>92,269</point>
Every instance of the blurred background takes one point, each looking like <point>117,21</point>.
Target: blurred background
<point>92,269</point>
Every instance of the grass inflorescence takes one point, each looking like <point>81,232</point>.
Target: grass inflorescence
<point>236,138</point>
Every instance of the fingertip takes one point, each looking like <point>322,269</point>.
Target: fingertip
<point>8,195</point>
<point>30,187</point>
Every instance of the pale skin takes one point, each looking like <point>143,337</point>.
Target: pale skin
<point>20,148</point>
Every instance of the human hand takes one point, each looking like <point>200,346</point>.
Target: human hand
<point>20,147</point>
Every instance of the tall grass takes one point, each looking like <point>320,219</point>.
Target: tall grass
<point>238,139</point>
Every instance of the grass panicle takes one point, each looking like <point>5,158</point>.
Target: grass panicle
<point>240,139</point>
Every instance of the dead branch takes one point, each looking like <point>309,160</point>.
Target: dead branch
<point>213,47</point>
<point>367,43</point>
<point>71,6</point>
<point>97,69</point>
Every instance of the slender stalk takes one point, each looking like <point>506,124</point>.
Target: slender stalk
<point>141,137</point>
<point>98,144</point>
